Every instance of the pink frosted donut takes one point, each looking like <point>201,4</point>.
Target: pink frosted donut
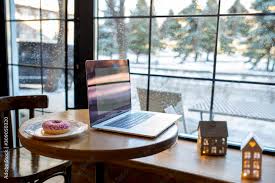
<point>55,127</point>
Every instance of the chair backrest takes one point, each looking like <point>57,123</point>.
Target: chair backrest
<point>162,101</point>
<point>15,103</point>
<point>159,100</point>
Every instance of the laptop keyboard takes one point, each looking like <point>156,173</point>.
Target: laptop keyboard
<point>130,120</point>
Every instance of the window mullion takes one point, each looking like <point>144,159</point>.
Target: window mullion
<point>215,63</point>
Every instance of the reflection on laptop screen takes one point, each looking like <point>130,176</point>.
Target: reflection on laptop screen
<point>109,92</point>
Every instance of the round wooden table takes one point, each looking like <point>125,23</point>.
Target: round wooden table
<point>96,145</point>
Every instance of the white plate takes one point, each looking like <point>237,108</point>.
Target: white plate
<point>36,131</point>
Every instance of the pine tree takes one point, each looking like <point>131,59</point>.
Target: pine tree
<point>260,43</point>
<point>107,44</point>
<point>139,31</point>
<point>188,36</point>
<point>117,8</point>
<point>169,27</point>
<point>208,29</point>
<point>233,28</point>
<point>155,35</point>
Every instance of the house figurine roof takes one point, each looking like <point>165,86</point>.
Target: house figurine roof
<point>213,129</point>
<point>250,137</point>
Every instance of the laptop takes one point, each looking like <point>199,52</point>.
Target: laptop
<point>109,100</point>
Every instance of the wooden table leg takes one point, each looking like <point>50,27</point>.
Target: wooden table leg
<point>99,173</point>
<point>87,172</point>
<point>83,172</point>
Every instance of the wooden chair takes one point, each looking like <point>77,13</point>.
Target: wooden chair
<point>17,163</point>
<point>160,101</point>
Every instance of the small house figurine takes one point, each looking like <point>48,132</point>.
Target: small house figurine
<point>212,138</point>
<point>251,157</point>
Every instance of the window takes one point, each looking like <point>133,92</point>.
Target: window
<point>40,50</point>
<point>246,172</point>
<point>223,141</point>
<point>257,155</point>
<point>209,59</point>
<point>247,155</point>
<point>256,173</point>
<point>256,164</point>
<point>214,150</point>
<point>221,150</point>
<point>252,143</point>
<point>215,141</point>
<point>246,164</point>
<point>205,149</point>
<point>205,141</point>
<point>199,140</point>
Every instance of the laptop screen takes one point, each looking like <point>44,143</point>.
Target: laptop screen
<point>109,89</point>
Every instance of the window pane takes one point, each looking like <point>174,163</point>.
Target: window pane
<point>187,7</point>
<point>38,113</point>
<point>246,49</point>
<point>139,99</point>
<point>24,43</point>
<point>246,108</point>
<point>115,8</point>
<point>29,53</point>
<point>247,6</point>
<point>25,48</point>
<point>53,38</point>
<point>7,10</point>
<point>9,42</point>
<point>186,48</point>
<point>247,155</point>
<point>29,76</point>
<point>53,9</point>
<point>125,39</point>
<point>25,80</point>
<point>23,10</point>
<point>257,155</point>
<point>70,8</point>
<point>183,96</point>
<point>71,64</point>
<point>28,31</point>
<point>54,88</point>
<point>30,10</point>
<point>71,103</point>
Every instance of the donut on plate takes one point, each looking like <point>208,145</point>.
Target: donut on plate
<point>56,127</point>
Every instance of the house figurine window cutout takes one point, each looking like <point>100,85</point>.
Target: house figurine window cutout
<point>212,138</point>
<point>251,157</point>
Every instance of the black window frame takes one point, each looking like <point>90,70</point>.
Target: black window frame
<point>4,89</point>
<point>65,69</point>
<point>84,48</point>
<point>213,79</point>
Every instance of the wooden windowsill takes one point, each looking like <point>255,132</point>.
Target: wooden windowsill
<point>183,161</point>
